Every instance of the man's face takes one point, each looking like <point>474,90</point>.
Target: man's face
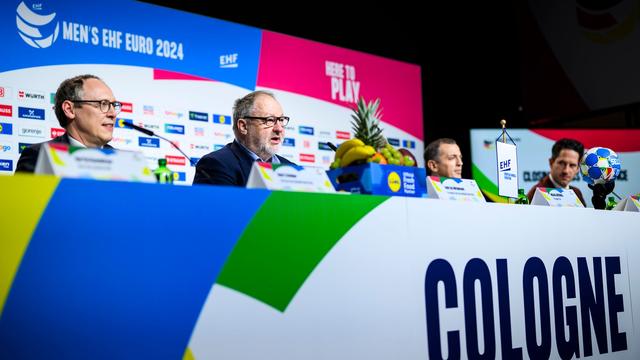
<point>449,163</point>
<point>263,140</point>
<point>87,123</point>
<point>565,167</point>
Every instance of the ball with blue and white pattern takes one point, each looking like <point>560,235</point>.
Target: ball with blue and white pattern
<point>599,165</point>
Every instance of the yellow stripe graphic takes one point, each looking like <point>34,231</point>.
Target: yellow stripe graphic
<point>24,199</point>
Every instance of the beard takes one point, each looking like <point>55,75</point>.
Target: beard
<point>268,149</point>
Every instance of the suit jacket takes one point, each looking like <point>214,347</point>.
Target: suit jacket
<point>545,182</point>
<point>230,165</point>
<point>29,156</point>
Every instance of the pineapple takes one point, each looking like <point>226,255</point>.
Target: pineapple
<point>365,123</point>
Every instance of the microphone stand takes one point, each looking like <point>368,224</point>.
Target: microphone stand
<point>151,133</point>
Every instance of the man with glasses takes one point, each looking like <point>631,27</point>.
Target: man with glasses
<point>86,109</point>
<point>258,125</point>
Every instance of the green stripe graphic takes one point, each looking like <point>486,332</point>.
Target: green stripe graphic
<point>487,186</point>
<point>285,241</point>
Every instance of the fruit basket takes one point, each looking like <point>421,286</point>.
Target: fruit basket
<point>368,164</point>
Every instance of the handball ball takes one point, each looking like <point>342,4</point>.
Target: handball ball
<point>599,165</point>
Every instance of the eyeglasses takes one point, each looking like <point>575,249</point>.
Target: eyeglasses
<point>105,105</point>
<point>270,120</point>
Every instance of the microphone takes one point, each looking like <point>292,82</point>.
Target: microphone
<point>151,133</point>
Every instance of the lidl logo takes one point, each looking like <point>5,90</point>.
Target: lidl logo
<point>30,113</point>
<point>393,141</point>
<point>6,128</point>
<point>55,132</point>
<point>305,130</point>
<point>393,180</point>
<point>148,142</point>
<point>174,129</point>
<point>409,144</point>
<point>127,107</point>
<point>35,27</point>
<point>22,146</point>
<point>198,116</point>
<point>307,158</point>
<point>289,142</point>
<point>6,165</point>
<point>176,160</point>
<point>179,176</point>
<point>121,121</point>
<point>221,119</point>
<point>343,135</point>
<point>6,110</point>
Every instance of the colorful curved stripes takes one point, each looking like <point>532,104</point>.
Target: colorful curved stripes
<point>285,241</point>
<point>25,197</point>
<point>486,185</point>
<point>106,269</point>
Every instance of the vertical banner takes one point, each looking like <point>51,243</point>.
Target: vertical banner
<point>507,169</point>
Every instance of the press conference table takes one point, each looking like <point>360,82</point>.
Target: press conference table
<point>96,269</point>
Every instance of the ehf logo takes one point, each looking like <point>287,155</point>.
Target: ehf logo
<point>36,29</point>
<point>229,61</point>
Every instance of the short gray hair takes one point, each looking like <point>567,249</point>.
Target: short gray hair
<point>244,106</point>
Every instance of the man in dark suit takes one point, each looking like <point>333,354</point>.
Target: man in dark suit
<point>86,109</point>
<point>564,165</point>
<point>258,126</point>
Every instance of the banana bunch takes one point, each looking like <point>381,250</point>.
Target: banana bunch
<point>350,152</point>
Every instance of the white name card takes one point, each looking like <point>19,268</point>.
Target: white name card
<point>101,164</point>
<point>288,177</point>
<point>631,203</point>
<point>556,197</point>
<point>507,169</point>
<point>444,188</point>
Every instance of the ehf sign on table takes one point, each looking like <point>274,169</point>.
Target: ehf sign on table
<point>507,165</point>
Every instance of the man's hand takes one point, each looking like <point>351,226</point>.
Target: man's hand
<point>600,192</point>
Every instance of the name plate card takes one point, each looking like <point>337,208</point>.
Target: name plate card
<point>631,203</point>
<point>444,188</point>
<point>100,164</point>
<point>288,177</point>
<point>556,197</point>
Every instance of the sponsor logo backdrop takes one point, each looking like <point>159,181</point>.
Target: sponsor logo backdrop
<point>172,81</point>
